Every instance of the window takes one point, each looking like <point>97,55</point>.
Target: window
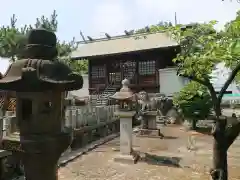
<point>147,68</point>
<point>98,72</point>
<point>98,75</point>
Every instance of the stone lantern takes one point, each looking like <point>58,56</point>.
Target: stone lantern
<point>126,98</point>
<point>39,83</point>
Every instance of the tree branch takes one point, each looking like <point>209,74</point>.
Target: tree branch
<point>228,82</point>
<point>232,133</point>
<point>213,94</point>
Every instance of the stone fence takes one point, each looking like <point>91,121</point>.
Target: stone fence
<point>90,123</point>
<point>82,116</point>
<point>87,124</point>
<point>81,120</point>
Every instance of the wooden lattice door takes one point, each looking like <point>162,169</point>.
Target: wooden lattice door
<point>129,71</point>
<point>114,73</point>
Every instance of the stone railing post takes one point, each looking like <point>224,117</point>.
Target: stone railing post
<point>74,118</point>
<point>1,124</point>
<point>68,118</point>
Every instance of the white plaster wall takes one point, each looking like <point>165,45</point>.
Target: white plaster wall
<point>81,92</point>
<point>219,77</point>
<point>170,82</point>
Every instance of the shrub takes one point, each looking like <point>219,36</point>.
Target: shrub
<point>194,97</point>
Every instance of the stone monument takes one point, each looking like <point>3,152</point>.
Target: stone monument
<point>38,135</point>
<point>148,117</point>
<point>125,97</point>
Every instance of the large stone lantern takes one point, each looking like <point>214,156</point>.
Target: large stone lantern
<point>39,82</point>
<point>126,98</point>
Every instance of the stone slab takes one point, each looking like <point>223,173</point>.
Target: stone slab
<point>150,113</point>
<point>126,159</point>
<point>125,114</point>
<point>150,133</point>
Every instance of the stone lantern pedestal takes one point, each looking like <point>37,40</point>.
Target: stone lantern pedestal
<point>126,131</point>
<point>149,125</point>
<point>126,98</point>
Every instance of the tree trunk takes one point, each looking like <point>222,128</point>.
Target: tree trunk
<point>194,124</point>
<point>223,137</point>
<point>220,171</point>
<point>220,166</point>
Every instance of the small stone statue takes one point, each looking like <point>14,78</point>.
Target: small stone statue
<point>144,100</point>
<point>145,105</point>
<point>147,115</point>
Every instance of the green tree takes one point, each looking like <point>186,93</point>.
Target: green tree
<point>194,101</point>
<point>13,40</point>
<point>202,48</point>
<point>161,26</point>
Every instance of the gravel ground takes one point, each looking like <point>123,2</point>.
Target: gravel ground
<point>165,159</point>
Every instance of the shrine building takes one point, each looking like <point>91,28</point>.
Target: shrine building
<point>137,57</point>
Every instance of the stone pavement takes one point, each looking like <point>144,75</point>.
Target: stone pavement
<point>165,159</point>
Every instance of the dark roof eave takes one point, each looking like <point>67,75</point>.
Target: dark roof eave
<point>114,54</point>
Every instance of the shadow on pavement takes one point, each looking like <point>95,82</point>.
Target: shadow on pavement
<point>161,160</point>
<point>170,137</point>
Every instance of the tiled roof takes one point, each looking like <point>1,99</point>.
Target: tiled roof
<point>123,44</point>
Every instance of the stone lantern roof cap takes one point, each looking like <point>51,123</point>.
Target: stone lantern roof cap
<point>125,92</point>
<point>38,71</point>
<point>34,75</point>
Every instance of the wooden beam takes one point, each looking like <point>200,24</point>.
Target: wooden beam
<point>90,38</point>
<point>126,32</point>
<point>83,38</point>
<point>107,35</point>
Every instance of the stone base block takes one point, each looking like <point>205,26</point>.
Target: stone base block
<point>150,133</point>
<point>126,159</point>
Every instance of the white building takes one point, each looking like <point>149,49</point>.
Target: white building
<point>219,77</point>
<point>171,83</point>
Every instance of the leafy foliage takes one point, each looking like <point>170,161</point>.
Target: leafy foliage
<point>161,26</point>
<point>197,41</point>
<point>13,40</point>
<point>203,47</point>
<point>194,97</point>
<point>230,44</point>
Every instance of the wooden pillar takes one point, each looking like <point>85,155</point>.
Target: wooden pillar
<point>89,74</point>
<point>137,75</point>
<point>106,73</point>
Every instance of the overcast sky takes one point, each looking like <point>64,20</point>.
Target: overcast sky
<point>95,17</point>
